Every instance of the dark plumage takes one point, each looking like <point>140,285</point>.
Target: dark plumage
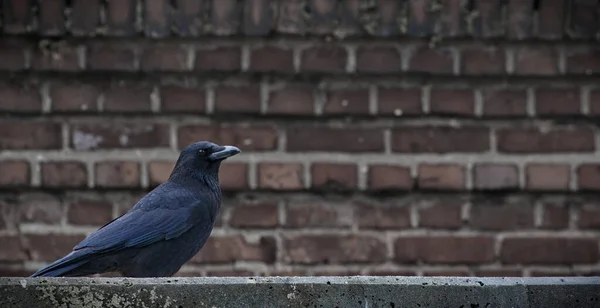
<point>163,230</point>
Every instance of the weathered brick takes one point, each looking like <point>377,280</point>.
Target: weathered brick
<point>588,177</point>
<point>347,102</point>
<point>334,176</point>
<point>30,135</point>
<point>444,249</point>
<point>594,102</point>
<point>583,21</point>
<point>325,58</point>
<point>377,59</point>
<point>10,272</point>
<point>453,102</point>
<point>291,17</point>
<point>388,11</point>
<point>119,135</point>
<point>391,272</point>
<point>38,208</point>
<point>121,17</point>
<point>110,56</point>
<point>291,100</point>
<point>483,60</point>
<point>51,17</point>
<point>233,273</point>
<point>536,61</point>
<point>159,171</point>
<point>557,140</point>
<point>421,20</point>
<point>237,99</point>
<point>188,99</point>
<point>342,272</point>
<point>74,97</point>
<point>428,60</point>
<point>49,247</point>
<point>186,14</point>
<point>388,177</point>
<point>326,139</point>
<point>416,139</point>
<point>22,97</point>
<point>12,249</point>
<point>220,58</point>
<point>226,17</point>
<point>583,60</point>
<point>114,174</point>
<point>547,176</point>
<point>280,176</point>
<point>85,16</point>
<point>555,216</point>
<point>552,102</point>
<point>164,57</point>
<point>127,97</point>
<point>520,19</point>
<point>89,212</point>
<point>589,217</point>
<point>398,101</point>
<point>233,176</point>
<point>157,18</point>
<point>262,215</point>
<point>318,214</point>
<point>494,217</point>
<point>447,273</point>
<point>333,249</point>
<point>504,102</point>
<point>350,15</point>
<point>382,216</point>
<point>498,273</point>
<point>253,138</point>
<point>271,58</point>
<point>495,176</point>
<point>441,177</point>
<point>12,53</point>
<point>488,21</point>
<point>549,250</point>
<point>59,56</point>
<point>232,248</point>
<point>445,215</point>
<point>64,174</point>
<point>14,173</point>
<point>323,17</point>
<point>17,15</point>
<point>259,17</point>
<point>551,16</point>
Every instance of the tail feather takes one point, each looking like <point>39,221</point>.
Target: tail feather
<point>66,266</point>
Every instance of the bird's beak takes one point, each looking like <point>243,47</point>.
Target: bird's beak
<point>224,152</point>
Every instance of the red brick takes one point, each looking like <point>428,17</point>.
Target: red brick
<point>12,249</point>
<point>9,272</point>
<point>594,102</point>
<point>333,249</point>
<point>127,97</point>
<point>51,17</point>
<point>440,216</point>
<point>334,176</point>
<point>583,61</point>
<point>89,212</point>
<point>347,102</point>
<point>444,249</point>
<point>555,217</point>
<point>417,139</point>
<point>549,250</point>
<point>164,57</point>
<point>234,273</point>
<point>223,58</point>
<point>30,135</point>
<point>441,177</point>
<point>259,17</point>
<point>391,272</point>
<point>120,17</point>
<point>425,59</point>
<point>160,171</point>
<point>446,273</point>
<point>74,97</point>
<point>557,140</point>
<point>233,176</point>
<point>589,217</point>
<point>254,138</point>
<point>519,19</point>
<point>382,216</point>
<point>389,11</point>
<point>504,102</point>
<point>226,17</point>
<point>558,102</point>
<point>17,16</point>
<point>157,18</point>
<point>85,16</point>
<point>326,58</point>
<point>292,100</point>
<point>583,19</point>
<point>64,174</point>
<point>387,177</point>
<point>551,273</point>
<point>237,99</point>
<point>59,56</point>
<point>281,176</point>
<point>547,176</point>
<point>451,22</point>
<point>338,273</point>
<point>38,208</point>
<point>495,176</point>
<point>110,56</point>
<point>12,53</point>
<point>185,17</point>
<point>588,176</point>
<point>20,98</point>
<point>49,247</point>
<point>318,214</point>
<point>483,60</point>
<point>377,59</point>
<point>536,61</point>
<point>454,102</point>
<point>232,248</point>
<point>399,101</point>
<point>550,18</point>
<point>421,21</point>
<point>262,215</point>
<point>326,139</point>
<point>119,135</point>
<point>175,98</point>
<point>14,173</point>
<point>489,19</point>
<point>490,216</point>
<point>113,174</point>
<point>271,58</point>
<point>322,16</point>
<point>498,273</point>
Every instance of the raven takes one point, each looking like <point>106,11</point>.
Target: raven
<point>164,229</point>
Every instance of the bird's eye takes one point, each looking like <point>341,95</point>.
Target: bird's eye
<point>202,152</point>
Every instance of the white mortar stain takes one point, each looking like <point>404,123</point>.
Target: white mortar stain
<point>84,141</point>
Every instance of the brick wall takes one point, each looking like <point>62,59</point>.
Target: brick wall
<point>380,137</point>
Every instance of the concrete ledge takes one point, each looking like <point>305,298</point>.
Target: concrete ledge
<point>343,292</point>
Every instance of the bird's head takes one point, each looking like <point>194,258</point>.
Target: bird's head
<point>203,159</point>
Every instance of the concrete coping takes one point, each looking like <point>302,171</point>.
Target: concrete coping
<point>343,292</point>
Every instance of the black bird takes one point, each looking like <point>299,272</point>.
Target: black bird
<point>163,230</point>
